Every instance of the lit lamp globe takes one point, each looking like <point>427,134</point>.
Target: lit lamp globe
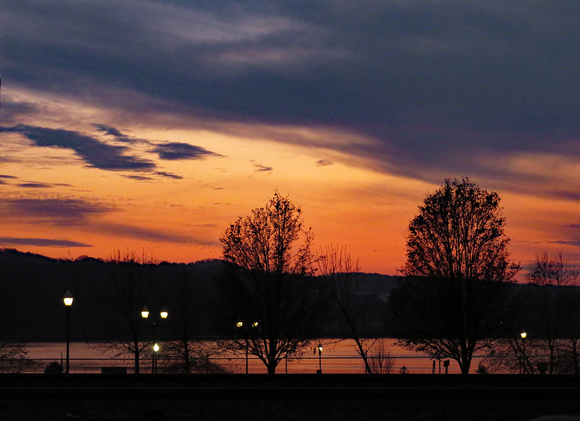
<point>68,299</point>
<point>164,313</point>
<point>145,312</point>
<point>524,335</point>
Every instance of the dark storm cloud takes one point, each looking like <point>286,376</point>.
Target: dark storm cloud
<point>178,151</point>
<point>55,211</point>
<point>96,154</point>
<point>41,242</point>
<point>436,85</point>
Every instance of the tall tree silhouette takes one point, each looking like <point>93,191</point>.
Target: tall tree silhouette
<point>267,301</point>
<point>457,268</point>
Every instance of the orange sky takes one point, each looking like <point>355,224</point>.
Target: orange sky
<point>151,125</point>
<point>344,200</point>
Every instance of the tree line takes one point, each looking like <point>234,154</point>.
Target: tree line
<point>273,296</point>
<point>457,295</point>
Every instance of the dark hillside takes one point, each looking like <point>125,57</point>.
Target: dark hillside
<point>32,287</point>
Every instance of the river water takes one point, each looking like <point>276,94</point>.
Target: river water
<point>337,357</point>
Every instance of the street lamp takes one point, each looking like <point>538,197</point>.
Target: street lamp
<point>68,301</point>
<point>524,335</point>
<point>155,353</point>
<point>163,314</point>
<point>241,324</point>
<point>319,347</point>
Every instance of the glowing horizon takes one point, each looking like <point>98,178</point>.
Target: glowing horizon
<point>156,133</point>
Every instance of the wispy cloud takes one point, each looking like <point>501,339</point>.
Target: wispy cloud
<point>95,153</point>
<point>169,175</point>
<point>323,162</point>
<point>437,87</point>
<point>109,130</point>
<point>110,157</point>
<point>53,210</point>
<point>35,185</point>
<point>140,233</point>
<point>177,151</point>
<point>262,168</point>
<point>41,242</point>
<point>567,242</point>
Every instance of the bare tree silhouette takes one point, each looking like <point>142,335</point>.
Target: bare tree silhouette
<point>457,268</point>
<point>130,291</point>
<point>267,300</point>
<point>340,272</point>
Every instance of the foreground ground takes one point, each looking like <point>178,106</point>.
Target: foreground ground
<point>287,397</point>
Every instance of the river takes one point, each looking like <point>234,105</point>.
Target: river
<point>338,356</point>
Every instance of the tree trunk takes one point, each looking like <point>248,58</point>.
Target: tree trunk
<point>136,357</point>
<point>464,365</point>
<point>363,355</point>
<point>575,355</point>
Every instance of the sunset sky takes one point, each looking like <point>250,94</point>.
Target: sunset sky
<point>151,125</point>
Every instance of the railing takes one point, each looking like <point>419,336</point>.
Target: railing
<point>236,365</point>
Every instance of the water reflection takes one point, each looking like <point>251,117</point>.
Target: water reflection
<point>339,357</point>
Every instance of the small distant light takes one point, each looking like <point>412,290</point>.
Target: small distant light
<point>319,348</point>
<point>164,313</point>
<point>239,324</point>
<point>523,335</point>
<point>145,312</point>
<point>255,324</point>
<point>156,347</point>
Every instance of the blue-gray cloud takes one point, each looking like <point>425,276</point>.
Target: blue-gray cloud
<point>323,162</point>
<point>262,168</point>
<point>54,211</point>
<point>95,153</point>
<point>177,151</point>
<point>35,185</point>
<point>437,85</point>
<point>149,235</point>
<point>41,242</point>
<point>169,175</point>
<point>112,131</point>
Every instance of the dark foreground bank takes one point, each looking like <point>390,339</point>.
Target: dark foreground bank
<point>286,397</point>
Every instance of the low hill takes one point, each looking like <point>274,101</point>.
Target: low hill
<point>32,287</point>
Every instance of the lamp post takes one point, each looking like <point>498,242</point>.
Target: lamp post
<point>240,324</point>
<point>524,335</point>
<point>163,314</point>
<point>68,301</point>
<point>319,347</point>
